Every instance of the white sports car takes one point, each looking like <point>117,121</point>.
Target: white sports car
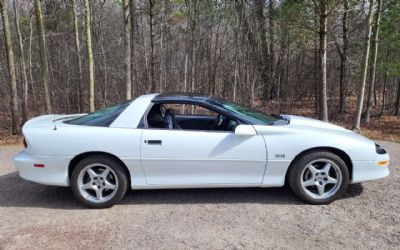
<point>194,141</point>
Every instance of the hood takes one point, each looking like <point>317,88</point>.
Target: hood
<point>313,123</point>
<point>311,129</point>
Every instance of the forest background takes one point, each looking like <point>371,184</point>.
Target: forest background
<point>335,60</point>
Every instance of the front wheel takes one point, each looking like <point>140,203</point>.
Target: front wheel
<point>319,177</point>
<point>99,181</point>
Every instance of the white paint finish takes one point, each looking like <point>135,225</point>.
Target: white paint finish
<point>136,172</point>
<point>292,139</point>
<point>201,157</point>
<point>245,130</point>
<point>131,116</point>
<point>72,140</point>
<point>55,171</point>
<point>68,141</point>
<point>368,170</point>
<point>305,133</point>
<point>275,173</point>
<point>312,123</point>
<point>189,158</point>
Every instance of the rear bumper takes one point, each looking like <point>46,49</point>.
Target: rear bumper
<point>54,172</point>
<point>370,170</point>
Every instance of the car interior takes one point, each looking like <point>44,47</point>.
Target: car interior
<point>187,116</point>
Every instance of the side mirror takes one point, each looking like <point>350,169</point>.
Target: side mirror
<point>245,130</point>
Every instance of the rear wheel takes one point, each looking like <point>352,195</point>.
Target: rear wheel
<point>99,181</point>
<point>319,177</point>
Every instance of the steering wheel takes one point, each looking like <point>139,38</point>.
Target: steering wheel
<point>219,122</point>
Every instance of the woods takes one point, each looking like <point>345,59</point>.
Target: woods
<point>339,59</point>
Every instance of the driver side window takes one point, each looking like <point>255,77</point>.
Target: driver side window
<point>188,117</point>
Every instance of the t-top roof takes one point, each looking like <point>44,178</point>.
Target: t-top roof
<point>181,96</point>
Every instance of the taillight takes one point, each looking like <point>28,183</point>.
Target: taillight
<point>24,142</point>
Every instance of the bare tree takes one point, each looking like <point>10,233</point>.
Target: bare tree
<point>373,66</point>
<point>271,20</point>
<point>262,58</point>
<point>252,51</point>
<point>194,32</point>
<point>22,64</point>
<point>133,55</point>
<point>43,55</point>
<point>90,54</point>
<point>128,32</point>
<point>78,53</point>
<point>15,126</point>
<point>323,22</point>
<point>367,42</point>
<point>151,29</point>
<point>344,57</point>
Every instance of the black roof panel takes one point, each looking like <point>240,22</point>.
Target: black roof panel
<point>181,96</point>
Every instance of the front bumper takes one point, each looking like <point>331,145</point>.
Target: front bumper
<point>54,172</point>
<point>370,170</point>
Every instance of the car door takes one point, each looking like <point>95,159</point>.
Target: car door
<point>191,157</point>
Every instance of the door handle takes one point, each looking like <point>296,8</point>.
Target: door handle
<point>153,142</point>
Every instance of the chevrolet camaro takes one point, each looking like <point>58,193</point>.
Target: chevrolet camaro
<point>182,140</point>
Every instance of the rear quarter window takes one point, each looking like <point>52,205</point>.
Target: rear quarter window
<point>100,118</point>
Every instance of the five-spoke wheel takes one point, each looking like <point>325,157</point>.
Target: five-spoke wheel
<point>319,177</point>
<point>99,181</point>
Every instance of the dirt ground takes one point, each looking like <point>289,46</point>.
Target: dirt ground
<point>37,216</point>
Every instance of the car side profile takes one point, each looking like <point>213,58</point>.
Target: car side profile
<point>184,140</point>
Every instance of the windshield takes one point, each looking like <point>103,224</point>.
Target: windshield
<point>102,117</point>
<point>254,116</point>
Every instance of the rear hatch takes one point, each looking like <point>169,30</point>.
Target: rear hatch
<point>47,120</point>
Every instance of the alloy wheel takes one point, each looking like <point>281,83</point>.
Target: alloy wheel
<point>97,183</point>
<point>321,179</point>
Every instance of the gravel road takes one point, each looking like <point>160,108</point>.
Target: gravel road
<point>37,216</point>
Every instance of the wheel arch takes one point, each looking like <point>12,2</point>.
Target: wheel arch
<point>343,155</point>
<point>81,156</point>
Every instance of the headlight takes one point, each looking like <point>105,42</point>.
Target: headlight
<point>379,149</point>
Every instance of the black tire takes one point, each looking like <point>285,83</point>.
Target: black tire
<point>120,175</point>
<point>297,168</point>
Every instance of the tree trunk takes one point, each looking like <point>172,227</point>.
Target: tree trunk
<point>133,57</point>
<point>162,53</point>
<point>78,55</point>
<point>43,56</point>
<point>262,57</point>
<point>151,21</point>
<point>30,62</point>
<point>194,59</point>
<point>373,68</point>
<point>90,54</point>
<point>236,61</point>
<point>128,72</point>
<point>361,89</point>
<point>271,19</point>
<point>388,51</point>
<point>15,125</point>
<point>323,22</point>
<point>397,112</point>
<point>22,64</point>
<point>316,72</point>
<point>185,72</point>
<point>344,59</point>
